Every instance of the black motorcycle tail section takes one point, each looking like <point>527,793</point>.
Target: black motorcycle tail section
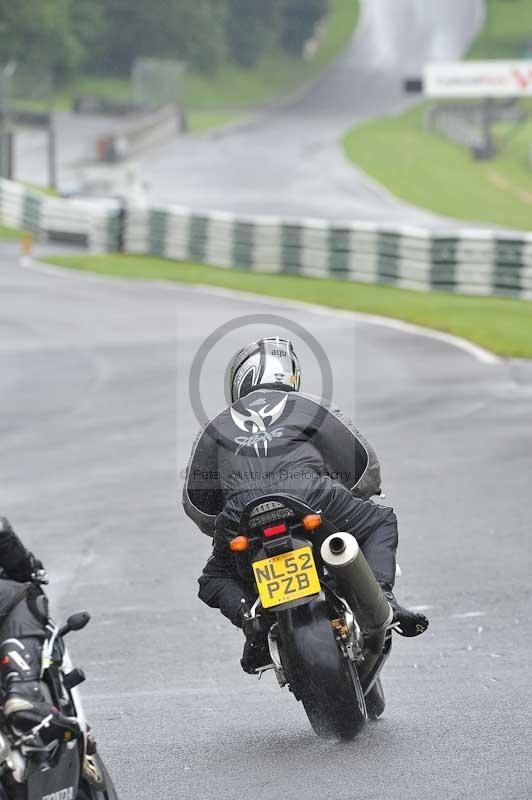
<point>318,673</point>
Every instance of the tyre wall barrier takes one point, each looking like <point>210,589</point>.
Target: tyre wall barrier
<point>95,224</point>
<point>477,262</point>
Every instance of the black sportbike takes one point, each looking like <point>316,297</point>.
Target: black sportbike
<point>328,624</point>
<point>34,768</point>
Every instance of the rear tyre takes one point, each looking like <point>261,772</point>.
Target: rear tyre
<point>375,701</point>
<point>318,673</point>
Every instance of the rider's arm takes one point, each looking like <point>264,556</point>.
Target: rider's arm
<point>220,584</point>
<point>370,483</point>
<point>202,493</point>
<point>348,456</point>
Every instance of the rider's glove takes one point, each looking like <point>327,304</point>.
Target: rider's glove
<point>16,562</point>
<point>26,567</point>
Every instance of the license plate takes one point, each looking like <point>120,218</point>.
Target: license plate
<point>288,576</point>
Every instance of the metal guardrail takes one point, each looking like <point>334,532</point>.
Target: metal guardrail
<point>147,130</point>
<point>477,262</point>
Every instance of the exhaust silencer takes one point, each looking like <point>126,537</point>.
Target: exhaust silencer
<point>356,582</point>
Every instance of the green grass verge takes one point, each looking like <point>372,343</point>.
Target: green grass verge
<point>499,324</point>
<point>10,233</point>
<point>199,121</point>
<point>199,118</point>
<point>428,170</point>
<point>114,88</point>
<point>223,96</point>
<point>507,32</point>
<point>34,187</point>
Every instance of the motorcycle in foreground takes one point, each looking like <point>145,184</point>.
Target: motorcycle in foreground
<point>32,768</point>
<point>329,625</point>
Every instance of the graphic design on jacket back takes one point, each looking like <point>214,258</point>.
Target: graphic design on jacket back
<point>258,424</point>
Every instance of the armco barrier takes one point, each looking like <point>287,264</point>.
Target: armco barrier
<point>469,262</point>
<point>478,262</point>
<point>95,224</point>
<point>146,130</point>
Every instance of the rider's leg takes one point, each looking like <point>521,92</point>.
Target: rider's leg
<point>221,586</point>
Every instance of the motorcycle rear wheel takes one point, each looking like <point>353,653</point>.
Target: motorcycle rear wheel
<point>318,672</point>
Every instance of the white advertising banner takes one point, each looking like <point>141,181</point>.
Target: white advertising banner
<point>478,79</point>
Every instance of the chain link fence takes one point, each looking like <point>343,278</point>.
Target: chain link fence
<point>478,125</point>
<point>156,82</point>
<point>26,101</point>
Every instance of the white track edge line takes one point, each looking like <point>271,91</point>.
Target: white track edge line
<point>474,350</point>
<point>479,353</point>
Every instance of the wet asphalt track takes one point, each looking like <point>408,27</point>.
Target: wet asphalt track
<point>96,420</point>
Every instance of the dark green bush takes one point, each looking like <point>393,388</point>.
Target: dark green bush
<point>299,18</point>
<point>107,35</point>
<point>253,28</point>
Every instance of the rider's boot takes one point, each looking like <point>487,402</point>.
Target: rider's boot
<point>256,648</point>
<point>24,704</point>
<point>405,621</point>
<point>256,655</point>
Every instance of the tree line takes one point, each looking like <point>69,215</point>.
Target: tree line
<point>105,36</point>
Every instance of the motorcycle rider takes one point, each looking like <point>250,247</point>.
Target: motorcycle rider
<point>23,617</point>
<point>296,444</point>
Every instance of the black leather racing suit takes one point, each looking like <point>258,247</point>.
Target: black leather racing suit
<point>277,441</point>
<point>23,618</point>
<point>22,606</point>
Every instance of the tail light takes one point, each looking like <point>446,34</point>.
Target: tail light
<point>273,530</point>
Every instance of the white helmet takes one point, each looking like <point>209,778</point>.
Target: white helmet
<point>270,363</point>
